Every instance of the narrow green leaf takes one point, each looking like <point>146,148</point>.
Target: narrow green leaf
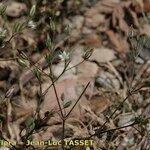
<point>48,58</point>
<point>67,104</point>
<point>2,9</point>
<point>18,27</point>
<point>32,11</point>
<point>37,73</point>
<point>49,114</point>
<point>62,96</point>
<point>29,121</point>
<point>88,54</point>
<point>23,63</point>
<point>49,43</point>
<point>52,25</point>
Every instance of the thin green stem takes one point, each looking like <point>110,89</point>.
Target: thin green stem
<point>55,91</point>
<point>76,65</point>
<point>55,79</point>
<point>78,99</point>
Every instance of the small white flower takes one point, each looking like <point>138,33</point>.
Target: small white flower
<point>127,142</point>
<point>32,24</point>
<point>2,32</point>
<point>64,56</point>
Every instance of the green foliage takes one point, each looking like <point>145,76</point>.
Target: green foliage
<point>62,97</point>
<point>32,11</point>
<point>18,27</point>
<point>67,104</point>
<point>87,54</point>
<point>49,114</point>
<point>49,43</point>
<point>30,123</point>
<point>52,25</point>
<point>37,73</point>
<point>48,58</point>
<point>23,63</point>
<point>2,9</point>
<point>2,33</point>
